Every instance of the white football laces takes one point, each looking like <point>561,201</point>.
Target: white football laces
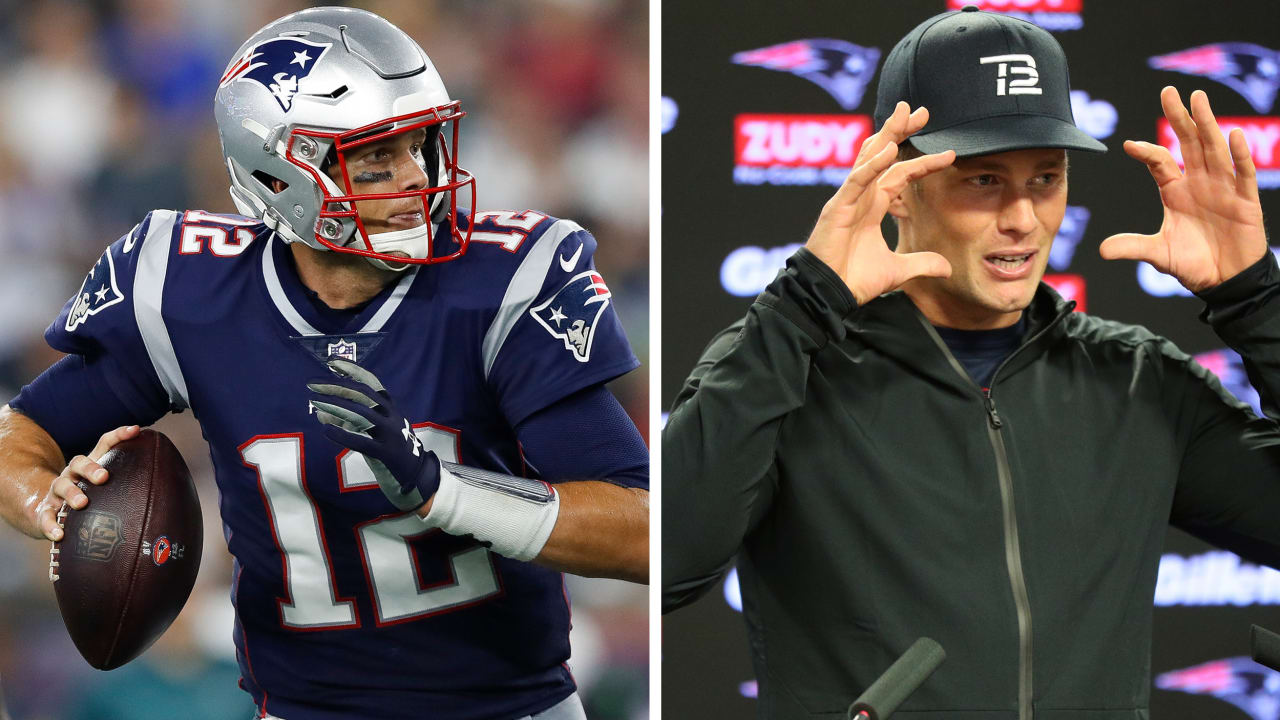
<point>54,550</point>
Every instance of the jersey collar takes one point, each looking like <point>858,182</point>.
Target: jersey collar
<point>289,296</point>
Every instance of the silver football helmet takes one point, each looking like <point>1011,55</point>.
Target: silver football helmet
<point>316,87</point>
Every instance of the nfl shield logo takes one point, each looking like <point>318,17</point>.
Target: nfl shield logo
<point>99,536</point>
<point>343,349</point>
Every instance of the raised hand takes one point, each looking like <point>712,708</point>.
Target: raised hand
<point>847,236</point>
<point>1212,226</point>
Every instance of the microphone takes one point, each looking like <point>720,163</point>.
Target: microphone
<point>901,679</point>
<point>1264,646</point>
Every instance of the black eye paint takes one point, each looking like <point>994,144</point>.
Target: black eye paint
<point>372,177</point>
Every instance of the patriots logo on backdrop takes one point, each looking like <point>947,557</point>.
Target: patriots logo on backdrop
<point>1251,70</point>
<point>98,292</point>
<point>571,314</point>
<point>837,66</point>
<point>278,65</point>
<point>1240,681</point>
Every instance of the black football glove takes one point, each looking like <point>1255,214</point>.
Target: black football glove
<point>358,414</point>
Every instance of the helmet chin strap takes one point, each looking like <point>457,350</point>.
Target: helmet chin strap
<point>411,242</point>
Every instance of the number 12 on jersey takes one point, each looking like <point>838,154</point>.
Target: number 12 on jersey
<point>312,602</point>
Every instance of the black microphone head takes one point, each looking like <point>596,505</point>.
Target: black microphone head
<point>901,679</point>
<point>1265,646</point>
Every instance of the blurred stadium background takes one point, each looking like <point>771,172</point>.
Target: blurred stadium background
<point>763,115</point>
<point>106,113</point>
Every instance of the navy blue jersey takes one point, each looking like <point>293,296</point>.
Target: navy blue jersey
<point>344,606</point>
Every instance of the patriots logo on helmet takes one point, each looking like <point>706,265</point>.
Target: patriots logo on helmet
<point>1240,681</point>
<point>278,65</point>
<point>97,293</point>
<point>837,66</point>
<point>571,314</point>
<point>1251,70</point>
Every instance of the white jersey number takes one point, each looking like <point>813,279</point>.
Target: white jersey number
<point>225,237</point>
<point>516,226</point>
<point>311,597</point>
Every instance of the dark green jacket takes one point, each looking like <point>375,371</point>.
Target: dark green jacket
<point>873,494</point>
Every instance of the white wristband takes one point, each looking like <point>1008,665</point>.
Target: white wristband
<point>514,515</point>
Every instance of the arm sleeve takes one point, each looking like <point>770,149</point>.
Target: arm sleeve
<point>556,331</point>
<point>586,436</point>
<point>1228,490</point>
<point>73,401</point>
<point>718,446</point>
<point>108,378</point>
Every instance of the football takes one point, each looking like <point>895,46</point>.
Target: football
<point>127,562</point>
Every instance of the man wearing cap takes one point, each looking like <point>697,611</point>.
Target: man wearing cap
<point>879,443</point>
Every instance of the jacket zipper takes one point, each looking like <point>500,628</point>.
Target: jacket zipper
<point>1012,547</point>
<point>1013,558</point>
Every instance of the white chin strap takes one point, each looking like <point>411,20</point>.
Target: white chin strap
<point>412,242</point>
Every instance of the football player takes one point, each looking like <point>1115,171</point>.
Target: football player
<point>384,376</point>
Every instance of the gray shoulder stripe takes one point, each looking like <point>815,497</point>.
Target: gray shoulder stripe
<point>523,288</point>
<point>277,292</point>
<point>384,313</point>
<point>148,294</point>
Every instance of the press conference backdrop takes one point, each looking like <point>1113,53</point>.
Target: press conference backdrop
<point>764,107</point>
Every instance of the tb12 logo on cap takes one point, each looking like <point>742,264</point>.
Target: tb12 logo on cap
<point>1007,65</point>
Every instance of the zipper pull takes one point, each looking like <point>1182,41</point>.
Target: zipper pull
<point>992,415</point>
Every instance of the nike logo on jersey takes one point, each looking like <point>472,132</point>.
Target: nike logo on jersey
<point>572,262</point>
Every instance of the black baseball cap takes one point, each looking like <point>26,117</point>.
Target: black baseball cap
<point>992,83</point>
